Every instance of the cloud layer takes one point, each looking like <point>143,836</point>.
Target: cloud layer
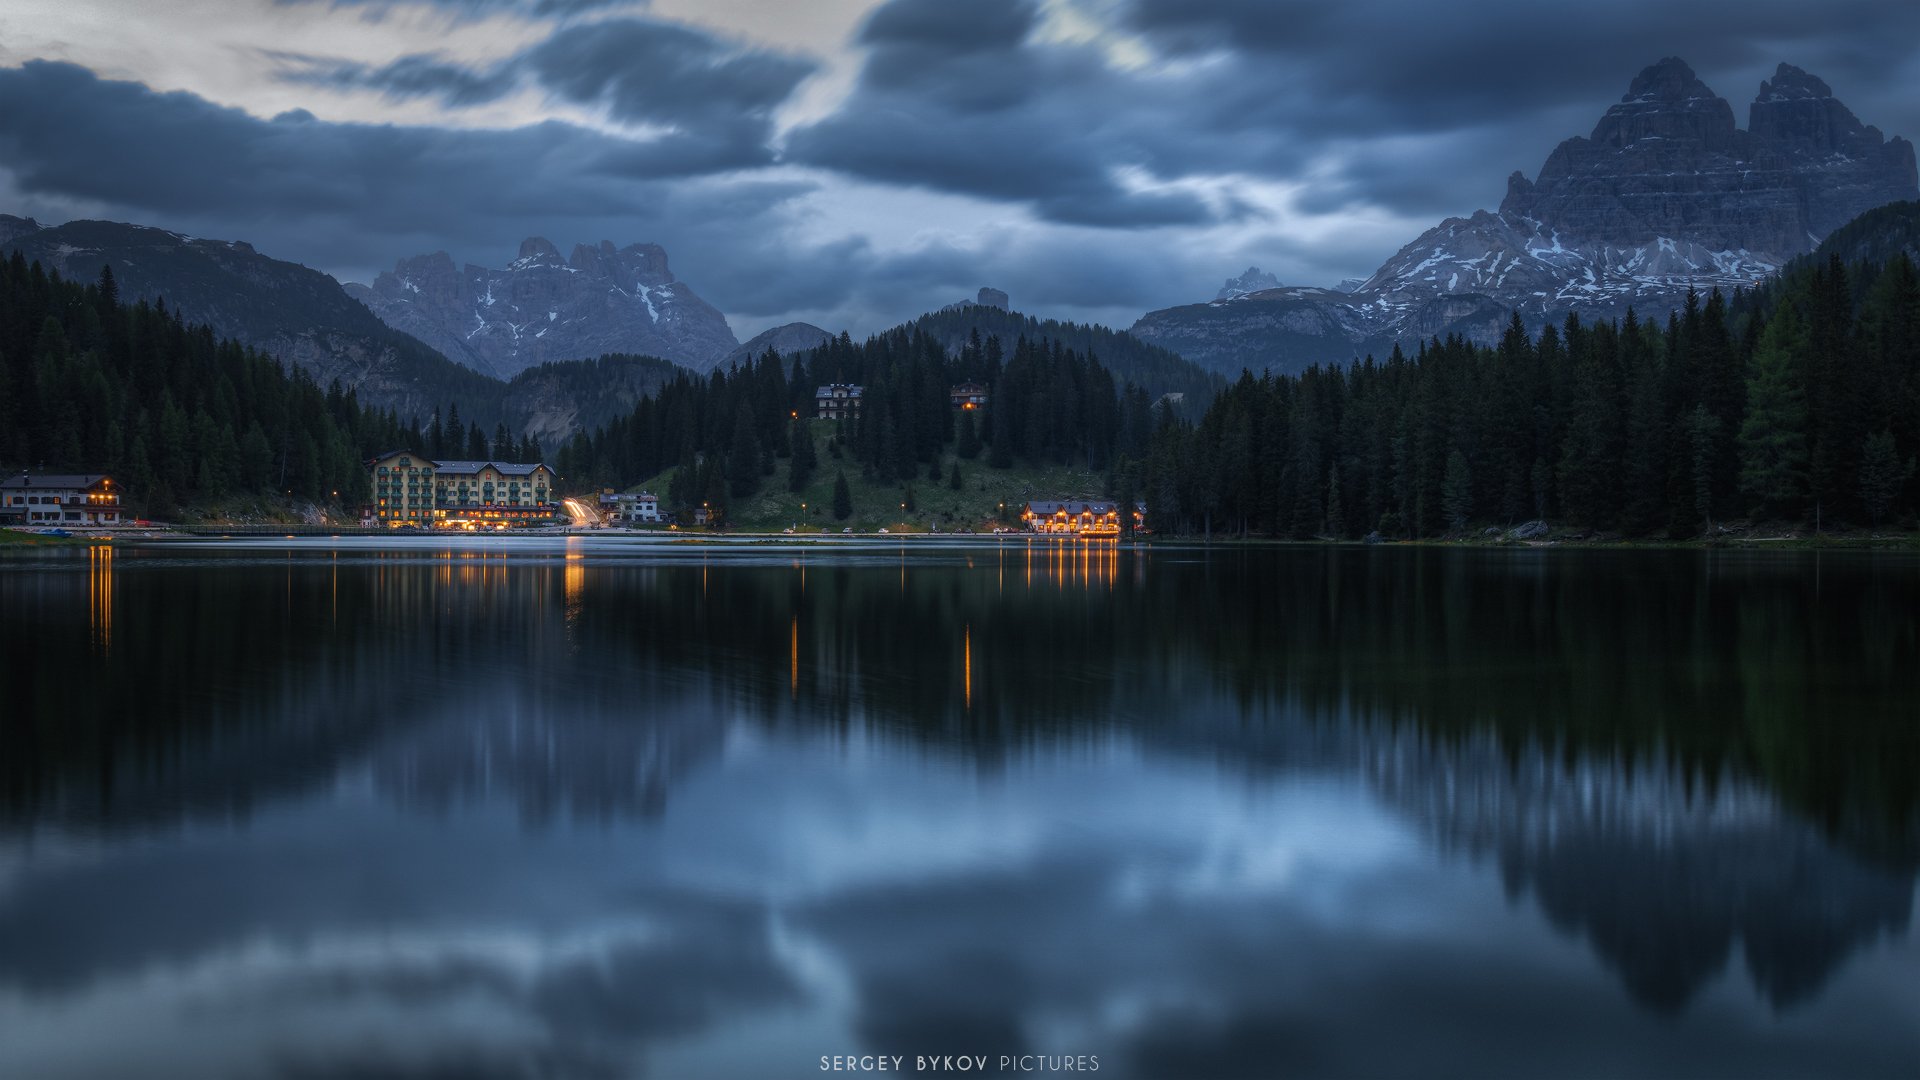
<point>1095,157</point>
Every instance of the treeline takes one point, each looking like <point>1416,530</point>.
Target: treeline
<point>89,384</point>
<point>1050,404</point>
<point>1160,371</point>
<point>1797,403</point>
<point>444,438</point>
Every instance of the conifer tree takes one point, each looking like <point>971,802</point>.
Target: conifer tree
<point>967,442</point>
<point>1773,436</point>
<point>804,459</point>
<point>743,456</point>
<point>1882,475</point>
<point>1457,491</point>
<point>842,497</point>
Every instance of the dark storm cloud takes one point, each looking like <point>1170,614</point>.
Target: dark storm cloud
<point>645,71</point>
<point>1401,66</point>
<point>1507,78</point>
<point>476,9</point>
<point>360,196</point>
<point>418,76</point>
<point>972,99</point>
<point>353,198</point>
<point>716,98</point>
<point>959,99</point>
<point>985,24</point>
<point>69,132</point>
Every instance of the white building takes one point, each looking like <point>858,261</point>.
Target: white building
<point>631,508</point>
<point>837,401</point>
<point>61,499</point>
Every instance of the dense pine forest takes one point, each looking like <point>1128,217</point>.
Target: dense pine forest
<point>1798,403</point>
<point>1127,358</point>
<point>88,383</point>
<point>1051,404</point>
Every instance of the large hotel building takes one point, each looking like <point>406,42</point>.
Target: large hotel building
<point>409,489</point>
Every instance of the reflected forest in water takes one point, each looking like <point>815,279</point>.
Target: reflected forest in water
<point>1678,757</point>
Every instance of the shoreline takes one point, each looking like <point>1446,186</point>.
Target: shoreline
<point>24,540</point>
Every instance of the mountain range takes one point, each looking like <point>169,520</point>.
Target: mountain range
<point>1665,195</point>
<point>305,318</point>
<point>606,316</point>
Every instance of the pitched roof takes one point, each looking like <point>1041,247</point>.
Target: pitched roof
<point>505,468</point>
<point>385,454</point>
<point>63,481</point>
<point>1074,507</point>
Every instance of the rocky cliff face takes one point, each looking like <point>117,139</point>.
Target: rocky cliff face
<point>988,296</point>
<point>1253,281</point>
<point>542,307</point>
<point>1668,162</point>
<point>1665,195</point>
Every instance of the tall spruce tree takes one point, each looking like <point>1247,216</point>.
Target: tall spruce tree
<point>1773,435</point>
<point>842,497</point>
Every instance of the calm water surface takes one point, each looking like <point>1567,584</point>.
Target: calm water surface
<point>599,809</point>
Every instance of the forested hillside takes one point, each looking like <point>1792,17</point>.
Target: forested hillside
<point>1797,403</point>
<point>1129,359</point>
<point>1050,405</point>
<point>88,383</point>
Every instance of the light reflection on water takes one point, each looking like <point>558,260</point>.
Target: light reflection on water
<point>578,809</point>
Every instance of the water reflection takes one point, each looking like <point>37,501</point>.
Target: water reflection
<point>1204,815</point>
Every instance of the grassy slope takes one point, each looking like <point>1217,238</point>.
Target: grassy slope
<point>876,506</point>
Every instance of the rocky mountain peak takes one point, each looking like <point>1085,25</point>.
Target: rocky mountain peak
<point>538,249</point>
<point>1789,83</point>
<point>988,296</point>
<point>1669,80</point>
<point>1666,163</point>
<point>1668,102</point>
<point>12,227</point>
<point>1252,280</point>
<point>1799,112</point>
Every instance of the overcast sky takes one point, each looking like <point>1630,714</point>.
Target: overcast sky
<point>855,162</point>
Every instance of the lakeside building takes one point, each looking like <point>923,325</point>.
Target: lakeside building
<point>968,395</point>
<point>411,489</point>
<point>60,499</point>
<point>632,508</point>
<point>837,401</point>
<point>1092,518</point>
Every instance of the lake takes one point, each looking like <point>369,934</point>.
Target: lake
<point>602,808</point>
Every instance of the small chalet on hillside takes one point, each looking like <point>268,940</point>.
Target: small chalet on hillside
<point>968,395</point>
<point>837,401</point>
